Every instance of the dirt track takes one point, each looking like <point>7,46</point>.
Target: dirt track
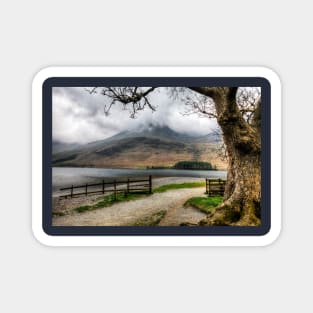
<point>128,212</point>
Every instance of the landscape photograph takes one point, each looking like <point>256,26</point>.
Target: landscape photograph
<point>156,156</point>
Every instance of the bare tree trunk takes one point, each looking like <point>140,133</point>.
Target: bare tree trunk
<point>241,205</point>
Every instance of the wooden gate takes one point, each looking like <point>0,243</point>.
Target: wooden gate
<point>215,187</point>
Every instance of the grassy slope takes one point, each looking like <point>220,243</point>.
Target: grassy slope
<point>139,155</point>
<point>179,186</point>
<point>205,205</point>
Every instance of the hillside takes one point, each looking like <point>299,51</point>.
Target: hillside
<point>150,146</point>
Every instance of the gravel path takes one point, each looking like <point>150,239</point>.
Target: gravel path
<point>126,213</point>
<point>178,215</point>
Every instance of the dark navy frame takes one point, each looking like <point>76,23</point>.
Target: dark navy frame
<point>158,230</point>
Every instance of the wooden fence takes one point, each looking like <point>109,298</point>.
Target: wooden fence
<point>215,187</point>
<point>112,187</point>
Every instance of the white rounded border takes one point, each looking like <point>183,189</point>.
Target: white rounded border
<point>276,125</point>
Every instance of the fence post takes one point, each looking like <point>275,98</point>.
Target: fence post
<point>209,192</point>
<point>102,186</point>
<point>86,189</point>
<point>72,191</point>
<point>128,185</point>
<point>150,184</point>
<point>115,189</point>
<point>206,185</point>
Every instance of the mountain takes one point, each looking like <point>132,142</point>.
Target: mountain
<point>146,146</point>
<point>58,146</point>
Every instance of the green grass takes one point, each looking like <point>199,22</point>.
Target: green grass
<point>58,214</point>
<point>83,208</point>
<point>179,186</point>
<point>109,200</point>
<point>205,205</point>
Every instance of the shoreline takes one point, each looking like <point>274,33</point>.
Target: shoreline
<point>65,177</point>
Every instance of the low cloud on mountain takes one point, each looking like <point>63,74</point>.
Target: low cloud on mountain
<point>78,117</point>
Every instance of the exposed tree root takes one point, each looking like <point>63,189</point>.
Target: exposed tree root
<point>232,213</point>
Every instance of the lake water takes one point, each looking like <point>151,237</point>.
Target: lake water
<point>66,176</point>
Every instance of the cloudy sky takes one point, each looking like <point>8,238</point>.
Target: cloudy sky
<point>78,117</point>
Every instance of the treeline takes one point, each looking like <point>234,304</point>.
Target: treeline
<point>158,167</point>
<point>194,165</point>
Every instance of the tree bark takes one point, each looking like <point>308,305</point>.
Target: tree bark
<point>241,205</point>
<point>242,198</point>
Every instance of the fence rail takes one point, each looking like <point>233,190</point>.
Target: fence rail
<point>215,187</point>
<point>112,187</point>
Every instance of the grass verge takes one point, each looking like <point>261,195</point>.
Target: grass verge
<point>109,200</point>
<point>205,205</point>
<point>58,213</point>
<point>179,186</point>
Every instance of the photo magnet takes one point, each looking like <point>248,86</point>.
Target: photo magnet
<point>156,156</point>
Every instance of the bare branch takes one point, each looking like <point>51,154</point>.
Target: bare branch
<point>220,149</point>
<point>207,91</point>
<point>223,103</point>
<point>246,100</point>
<point>198,104</point>
<point>92,90</point>
<point>256,122</point>
<point>132,98</point>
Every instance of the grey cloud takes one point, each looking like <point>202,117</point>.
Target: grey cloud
<point>79,117</point>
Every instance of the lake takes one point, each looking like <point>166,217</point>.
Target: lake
<point>66,176</point>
